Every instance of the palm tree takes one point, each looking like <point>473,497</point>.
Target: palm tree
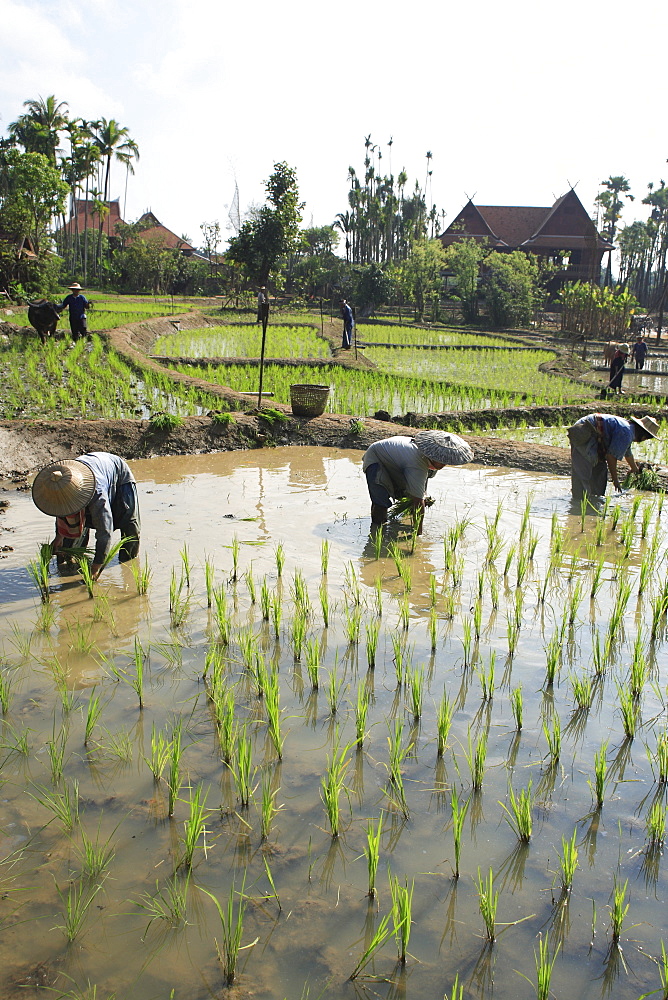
<point>612,205</point>
<point>37,130</point>
<point>114,143</point>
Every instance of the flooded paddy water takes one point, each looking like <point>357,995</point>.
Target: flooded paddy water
<point>492,599</point>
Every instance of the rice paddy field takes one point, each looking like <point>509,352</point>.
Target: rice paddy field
<point>364,392</point>
<point>303,760</point>
<point>244,341</point>
<point>402,336</point>
<point>109,311</point>
<point>62,379</point>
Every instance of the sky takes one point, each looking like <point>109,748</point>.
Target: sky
<point>516,101</point>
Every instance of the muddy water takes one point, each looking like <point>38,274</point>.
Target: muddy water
<point>248,504</point>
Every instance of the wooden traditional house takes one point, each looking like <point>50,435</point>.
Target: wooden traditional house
<point>153,229</point>
<point>562,232</point>
<point>84,216</point>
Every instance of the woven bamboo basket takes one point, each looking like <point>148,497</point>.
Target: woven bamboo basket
<point>308,400</point>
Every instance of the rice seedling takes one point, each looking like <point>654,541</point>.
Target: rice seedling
<point>45,618</point>
<point>583,691</point>
<point>629,709</point>
<point>265,600</point>
<point>117,745</point>
<point>185,560</point>
<point>377,541</point>
<point>512,635</point>
<point>160,752</point>
<point>241,766</point>
<point>433,590</point>
<point>602,654</point>
<point>600,774</point>
<point>324,603</point>
<point>298,635</point>
<point>510,555</point>
<point>568,861</point>
<point>467,640</point>
<point>519,813</point>
<point>432,626</point>
<point>645,575</point>
<point>273,710</point>
<point>137,681</point>
<point>415,681</point>
<point>335,690</point>
<point>397,755</point>
<point>659,609</point>
<point>655,825</point>
<point>477,619</point>
<point>353,624</point>
<point>552,659</point>
<point>488,901</point>
<point>194,828</point>
<point>647,512</point>
<point>522,567</point>
<point>235,546</point>
<point>457,991</point>
<point>174,778</point>
<point>476,758</point>
<point>38,570</point>
<point>544,968</point>
<point>209,580</point>
<point>404,612</point>
<point>402,905</point>
<point>458,816</point>
<point>618,909</point>
<point>15,742</point>
<point>280,559</point>
<point>399,651</point>
<point>232,927</point>
<point>95,856</point>
<point>372,853</point>
<point>77,901</point>
<point>93,713</point>
<point>361,712</point>
<point>597,578</point>
<point>5,692</point>
<point>250,584</point>
<point>300,596</point>
<point>378,592</point>
<point>324,556</point>
<point>660,758</point>
<point>377,941</point>
<point>553,739</point>
<point>574,601</point>
<point>169,903</point>
<point>55,748</point>
<point>639,667</point>
<point>276,615</point>
<point>268,807</point>
<point>516,706</point>
<point>313,662</point>
<point>487,678</point>
<point>332,784</point>
<point>64,805</point>
<point>372,630</point>
<point>444,714</point>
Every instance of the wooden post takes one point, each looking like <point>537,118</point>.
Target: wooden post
<point>264,312</point>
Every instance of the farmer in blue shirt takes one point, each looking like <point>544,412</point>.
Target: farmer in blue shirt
<point>598,442</point>
<point>96,490</point>
<point>77,305</point>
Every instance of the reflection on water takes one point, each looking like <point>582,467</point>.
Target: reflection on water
<point>72,730</point>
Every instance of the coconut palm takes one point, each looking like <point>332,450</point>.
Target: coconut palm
<point>114,143</point>
<point>38,129</point>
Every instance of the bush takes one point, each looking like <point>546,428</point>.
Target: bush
<point>165,421</point>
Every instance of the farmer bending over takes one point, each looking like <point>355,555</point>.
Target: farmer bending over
<point>96,490</point>
<point>400,466</point>
<point>598,442</point>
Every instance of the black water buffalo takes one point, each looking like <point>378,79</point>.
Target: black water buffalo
<point>44,316</point>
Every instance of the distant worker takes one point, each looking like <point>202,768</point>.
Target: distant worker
<point>96,490</point>
<point>348,324</point>
<point>77,305</point>
<point>262,300</point>
<point>399,467</point>
<point>598,442</point>
<point>639,352</point>
<point>617,368</point>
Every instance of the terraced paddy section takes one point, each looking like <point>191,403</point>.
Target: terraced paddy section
<point>110,311</point>
<point>278,639</point>
<point>244,340</point>
<point>408,336</point>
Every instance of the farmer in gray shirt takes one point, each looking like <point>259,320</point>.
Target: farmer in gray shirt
<point>400,466</point>
<point>96,490</point>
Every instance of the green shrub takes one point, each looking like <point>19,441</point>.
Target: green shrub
<point>165,421</point>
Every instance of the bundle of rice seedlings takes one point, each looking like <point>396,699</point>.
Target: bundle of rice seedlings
<point>405,506</point>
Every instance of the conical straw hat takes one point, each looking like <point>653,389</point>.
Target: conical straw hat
<point>63,488</point>
<point>443,447</point>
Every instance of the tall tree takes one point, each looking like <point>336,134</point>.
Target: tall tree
<point>611,202</point>
<point>114,143</point>
<point>274,231</point>
<point>38,130</point>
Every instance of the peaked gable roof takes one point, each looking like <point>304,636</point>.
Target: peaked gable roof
<point>156,231</point>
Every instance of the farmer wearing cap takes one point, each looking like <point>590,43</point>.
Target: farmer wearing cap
<point>598,442</point>
<point>617,368</point>
<point>400,466</point>
<point>96,490</point>
<point>77,305</point>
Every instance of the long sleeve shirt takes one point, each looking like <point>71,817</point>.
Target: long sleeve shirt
<point>111,472</point>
